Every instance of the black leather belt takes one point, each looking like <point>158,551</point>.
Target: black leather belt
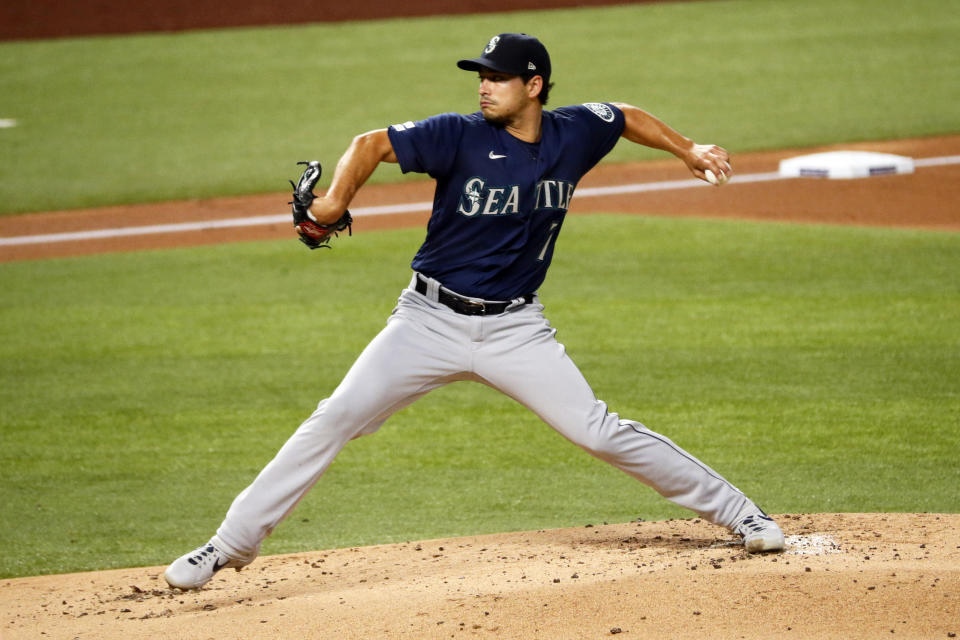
<point>468,307</point>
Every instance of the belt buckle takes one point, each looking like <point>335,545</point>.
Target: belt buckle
<point>473,307</point>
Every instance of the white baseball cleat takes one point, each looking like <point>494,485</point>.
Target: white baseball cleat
<point>195,569</point>
<point>760,533</point>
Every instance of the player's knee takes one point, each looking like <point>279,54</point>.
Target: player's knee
<point>610,438</point>
<point>339,419</point>
<point>600,446</point>
<point>599,441</point>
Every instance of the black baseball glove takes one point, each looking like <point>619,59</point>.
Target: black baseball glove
<point>312,233</point>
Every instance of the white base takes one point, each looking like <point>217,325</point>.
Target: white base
<point>845,165</point>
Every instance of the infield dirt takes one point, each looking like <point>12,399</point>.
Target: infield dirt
<point>842,575</point>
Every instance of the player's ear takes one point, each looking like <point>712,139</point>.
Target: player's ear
<point>534,86</point>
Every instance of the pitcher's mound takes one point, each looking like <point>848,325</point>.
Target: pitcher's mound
<point>842,576</point>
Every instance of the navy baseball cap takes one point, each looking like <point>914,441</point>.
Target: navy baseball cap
<point>514,53</point>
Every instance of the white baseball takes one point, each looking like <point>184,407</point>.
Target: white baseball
<point>714,180</point>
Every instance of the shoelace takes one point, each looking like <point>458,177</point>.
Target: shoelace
<point>755,523</point>
<point>205,555</point>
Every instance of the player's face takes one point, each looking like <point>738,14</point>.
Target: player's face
<point>502,96</point>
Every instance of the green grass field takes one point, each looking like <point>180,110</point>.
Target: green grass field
<point>153,117</point>
<point>815,367</point>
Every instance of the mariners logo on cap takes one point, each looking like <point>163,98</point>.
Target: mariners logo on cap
<point>494,41</point>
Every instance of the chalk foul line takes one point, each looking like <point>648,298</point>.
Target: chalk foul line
<point>394,209</point>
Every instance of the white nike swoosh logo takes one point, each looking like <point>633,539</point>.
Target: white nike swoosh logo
<point>494,156</point>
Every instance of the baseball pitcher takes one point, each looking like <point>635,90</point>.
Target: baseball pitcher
<point>505,176</point>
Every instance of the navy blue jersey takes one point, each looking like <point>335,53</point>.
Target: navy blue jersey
<point>500,202</point>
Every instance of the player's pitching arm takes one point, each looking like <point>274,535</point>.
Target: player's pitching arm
<point>354,168</point>
<point>642,128</point>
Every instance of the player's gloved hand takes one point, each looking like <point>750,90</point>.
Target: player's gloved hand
<point>312,233</point>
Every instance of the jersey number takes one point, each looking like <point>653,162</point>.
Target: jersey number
<point>550,236</point>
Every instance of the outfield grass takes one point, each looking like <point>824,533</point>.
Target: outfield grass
<point>141,392</point>
<point>151,117</point>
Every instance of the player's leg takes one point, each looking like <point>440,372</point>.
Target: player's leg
<point>527,363</point>
<point>401,364</point>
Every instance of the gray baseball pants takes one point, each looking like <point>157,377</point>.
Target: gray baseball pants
<point>426,345</point>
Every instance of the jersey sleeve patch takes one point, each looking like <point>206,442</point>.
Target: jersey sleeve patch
<point>602,111</point>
